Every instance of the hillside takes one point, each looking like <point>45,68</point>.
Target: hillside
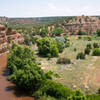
<point>86,24</point>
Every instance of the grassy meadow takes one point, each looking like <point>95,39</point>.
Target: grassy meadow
<point>81,74</point>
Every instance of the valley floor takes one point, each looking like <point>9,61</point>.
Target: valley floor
<point>84,74</point>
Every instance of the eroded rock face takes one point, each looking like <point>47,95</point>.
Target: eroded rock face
<point>7,36</point>
<point>84,23</point>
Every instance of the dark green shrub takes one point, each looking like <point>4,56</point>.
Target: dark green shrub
<point>24,70</point>
<point>81,33</point>
<point>98,32</point>
<point>79,37</point>
<point>78,95</point>
<point>89,38</point>
<point>63,61</point>
<point>95,45</point>
<point>96,52</point>
<point>47,46</point>
<point>80,56</point>
<point>89,46</point>
<point>54,89</point>
<point>87,51</point>
<point>44,32</point>
<point>75,49</point>
<point>57,31</point>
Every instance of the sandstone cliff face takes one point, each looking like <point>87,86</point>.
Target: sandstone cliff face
<point>84,23</point>
<point>7,36</point>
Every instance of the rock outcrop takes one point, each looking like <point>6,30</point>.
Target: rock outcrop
<point>84,23</point>
<point>8,35</point>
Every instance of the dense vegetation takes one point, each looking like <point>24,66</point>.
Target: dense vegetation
<point>26,73</point>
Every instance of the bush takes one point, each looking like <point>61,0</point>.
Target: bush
<point>63,61</point>
<point>89,46</point>
<point>79,37</point>
<point>96,52</point>
<point>98,32</point>
<point>80,56</point>
<point>47,46</point>
<point>54,89</point>
<point>57,31</point>
<point>24,70</point>
<point>87,50</point>
<point>95,45</point>
<point>81,33</point>
<point>67,44</point>
<point>44,32</point>
<point>60,43</point>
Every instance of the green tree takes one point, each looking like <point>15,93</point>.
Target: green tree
<point>98,32</point>
<point>24,70</point>
<point>57,31</point>
<point>47,46</point>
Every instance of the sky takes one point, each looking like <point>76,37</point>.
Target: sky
<point>43,8</point>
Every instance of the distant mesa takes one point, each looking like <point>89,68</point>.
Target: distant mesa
<point>86,24</point>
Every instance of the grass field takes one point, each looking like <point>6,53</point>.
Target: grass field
<point>82,74</point>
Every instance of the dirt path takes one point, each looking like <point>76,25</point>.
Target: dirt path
<point>8,91</point>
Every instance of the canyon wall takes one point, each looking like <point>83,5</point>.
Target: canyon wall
<point>8,35</point>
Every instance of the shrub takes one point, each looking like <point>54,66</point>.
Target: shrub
<point>67,44</point>
<point>47,46</point>
<point>24,70</point>
<point>79,37</point>
<point>95,45</point>
<point>54,89</point>
<point>81,33</point>
<point>78,95</point>
<point>89,38</point>
<point>75,49</point>
<point>96,52</point>
<point>87,50</point>
<point>98,32</point>
<point>44,32</point>
<point>80,56</point>
<point>57,31</point>
<point>63,61</point>
<point>60,43</point>
<point>89,46</point>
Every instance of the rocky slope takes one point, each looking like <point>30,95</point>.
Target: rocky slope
<point>6,36</point>
<point>86,24</point>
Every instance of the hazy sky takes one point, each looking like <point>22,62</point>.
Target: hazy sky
<point>34,8</point>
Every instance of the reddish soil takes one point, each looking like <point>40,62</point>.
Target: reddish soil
<point>98,77</point>
<point>8,91</point>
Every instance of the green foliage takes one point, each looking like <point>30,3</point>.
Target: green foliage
<point>47,46</point>
<point>95,45</point>
<point>57,31</point>
<point>63,61</point>
<point>24,71</point>
<point>67,44</point>
<point>47,98</point>
<point>60,43</point>
<point>80,56</point>
<point>78,95</point>
<point>54,89</point>
<point>81,33</point>
<point>44,32</point>
<point>87,50</point>
<point>98,32</point>
<point>93,97</point>
<point>27,40</point>
<point>96,52</point>
<point>89,46</point>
